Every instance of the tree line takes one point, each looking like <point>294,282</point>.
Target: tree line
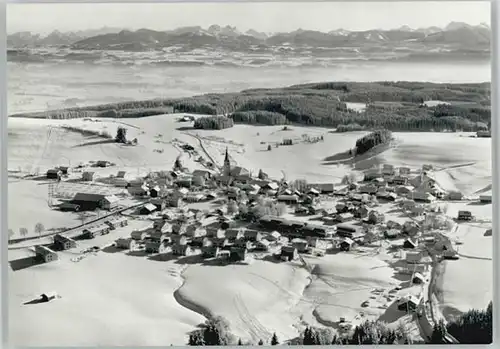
<point>371,140</point>
<point>213,123</point>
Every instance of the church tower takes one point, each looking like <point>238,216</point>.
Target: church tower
<point>227,165</point>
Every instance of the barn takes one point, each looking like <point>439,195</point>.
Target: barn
<point>64,243</point>
<point>88,201</point>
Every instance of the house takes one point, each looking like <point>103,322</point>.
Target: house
<point>243,244</point>
<point>379,182</point>
<point>138,235</point>
<point>413,257</point>
<point>368,189</point>
<point>160,203</point>
<point>408,303</point>
<point>138,191</point>
<point>110,202</point>
<point>375,217</point>
<point>348,230</point>
<point>372,173</point>
<point>289,253</point>
<point>314,191</point>
<point>202,174</point>
<point>346,244</point>
<point>344,217</point>
<point>410,228</point>
<point>117,222</point>
<point>270,186</point>
<point>400,180</point>
<point>234,234</point>
<point>288,199</point>
<point>410,243</point>
<point>464,216</point>
<point>195,231</point>
<point>418,278</point>
<point>361,212</point>
<point>182,250</point>
<point>155,191</point>
<point>124,243</point>
<point>450,254</point>
<point>217,233</point>
<point>427,167</point>
<point>45,254</point>
<point>238,254</point>
<point>388,169</point>
<point>155,235</point>
<point>210,251</point>
<point>64,170</point>
<point>403,190</point>
<point>417,210</point>
<point>421,196</point>
<point>252,235</point>
<point>391,233</point>
<point>174,201</point>
<point>404,171</point>
<point>96,231</point>
<point>201,241</point>
<point>184,182</point>
<point>317,243</point>
<point>64,243</point>
<point>455,195</point>
<point>119,182</point>
<point>88,176</point>
<point>262,245</point>
<point>54,173</point>
<point>301,245</point>
<point>407,204</point>
<point>103,163</point>
<point>194,197</point>
<point>121,174</point>
<point>341,207</point>
<point>274,236</point>
<point>179,239</point>
<point>323,188</point>
<point>485,198</point>
<point>220,242</point>
<point>147,209</point>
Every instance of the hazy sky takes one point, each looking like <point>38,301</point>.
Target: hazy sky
<point>263,16</point>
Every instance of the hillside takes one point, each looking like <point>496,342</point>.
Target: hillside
<point>397,106</point>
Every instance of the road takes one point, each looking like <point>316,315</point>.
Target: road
<point>72,232</point>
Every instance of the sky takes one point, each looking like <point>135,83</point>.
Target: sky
<point>264,16</point>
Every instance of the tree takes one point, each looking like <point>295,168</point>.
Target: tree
<point>473,327</point>
<point>261,342</point>
<point>39,228</point>
<point>274,339</point>
<point>239,342</point>
<point>438,333</point>
<point>269,148</point>
<point>196,339</point>
<point>23,232</point>
<point>121,135</point>
<point>11,233</point>
<point>262,175</point>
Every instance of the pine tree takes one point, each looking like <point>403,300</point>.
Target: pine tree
<point>261,342</point>
<point>239,342</point>
<point>274,339</point>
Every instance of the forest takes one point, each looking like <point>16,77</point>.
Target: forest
<point>395,106</point>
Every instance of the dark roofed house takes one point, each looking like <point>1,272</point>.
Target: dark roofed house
<point>202,173</point>
<point>88,176</point>
<point>64,169</point>
<point>346,244</point>
<point>182,250</point>
<point>410,243</point>
<point>103,163</point>
<point>234,234</point>
<point>121,174</point>
<point>147,209</point>
<point>88,201</point>
<point>54,173</point>
<point>160,203</point>
<point>154,192</point>
<point>64,243</point>
<point>348,230</point>
<point>289,253</point>
<point>288,199</point>
<point>45,254</point>
<point>252,235</point>
<point>238,254</point>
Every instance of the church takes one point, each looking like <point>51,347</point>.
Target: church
<point>230,170</point>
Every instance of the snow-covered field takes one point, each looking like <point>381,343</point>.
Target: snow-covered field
<point>136,295</point>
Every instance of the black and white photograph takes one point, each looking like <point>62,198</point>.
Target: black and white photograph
<point>249,173</point>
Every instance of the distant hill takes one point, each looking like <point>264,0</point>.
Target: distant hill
<point>457,35</point>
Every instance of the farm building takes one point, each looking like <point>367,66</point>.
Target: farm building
<point>64,243</point>
<point>238,254</point>
<point>346,244</point>
<point>147,209</point>
<point>289,253</point>
<point>485,198</point>
<point>94,231</point>
<point>155,191</point>
<point>54,173</point>
<point>124,243</point>
<point>121,174</point>
<point>464,216</point>
<point>88,176</point>
<point>138,235</point>
<point>450,254</point>
<point>252,235</point>
<point>103,163</point>
<point>160,203</point>
<point>89,202</point>
<point>300,245</point>
<point>45,254</point>
<point>379,182</point>
<point>182,250</point>
<point>427,167</point>
<point>408,303</point>
<point>155,235</point>
<point>348,230</point>
<point>64,170</point>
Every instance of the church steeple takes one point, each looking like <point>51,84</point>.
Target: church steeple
<point>227,164</point>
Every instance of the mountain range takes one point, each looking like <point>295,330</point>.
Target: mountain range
<point>455,36</point>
